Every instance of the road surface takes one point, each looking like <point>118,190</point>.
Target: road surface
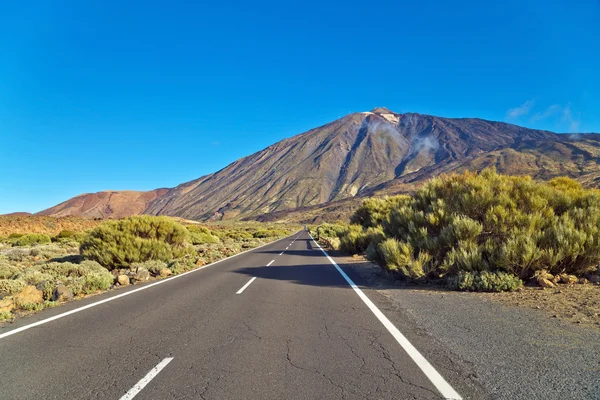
<point>278,322</point>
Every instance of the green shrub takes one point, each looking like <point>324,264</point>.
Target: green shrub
<point>5,315</point>
<point>399,257</point>
<point>11,286</point>
<point>32,276</point>
<point>201,238</point>
<point>95,281</point>
<point>65,234</point>
<point>329,231</point>
<point>373,211</point>
<point>486,222</point>
<point>484,281</point>
<point>15,235</point>
<point>8,271</point>
<point>136,239</point>
<point>32,239</point>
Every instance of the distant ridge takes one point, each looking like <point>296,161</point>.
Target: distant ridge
<point>108,204</point>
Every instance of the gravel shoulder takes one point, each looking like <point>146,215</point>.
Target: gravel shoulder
<point>517,350</point>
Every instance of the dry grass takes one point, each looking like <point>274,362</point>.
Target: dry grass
<point>41,224</point>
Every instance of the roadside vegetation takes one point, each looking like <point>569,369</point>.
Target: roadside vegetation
<point>39,270</point>
<point>480,232</point>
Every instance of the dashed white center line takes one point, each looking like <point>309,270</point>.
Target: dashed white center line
<point>245,286</point>
<point>272,261</point>
<point>146,380</point>
<point>281,253</point>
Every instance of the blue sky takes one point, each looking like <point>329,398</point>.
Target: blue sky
<point>110,95</point>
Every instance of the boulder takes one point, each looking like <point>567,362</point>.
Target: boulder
<point>583,281</point>
<point>62,293</point>
<point>593,278</point>
<point>545,283</point>
<point>165,272</point>
<point>568,279</point>
<point>123,280</point>
<point>6,304</point>
<point>141,274</point>
<point>544,274</point>
<point>29,295</point>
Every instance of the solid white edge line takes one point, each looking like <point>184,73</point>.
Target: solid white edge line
<point>271,262</point>
<point>438,381</point>
<point>76,310</point>
<point>245,286</point>
<point>146,379</point>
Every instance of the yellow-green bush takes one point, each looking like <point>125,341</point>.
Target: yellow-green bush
<point>484,281</point>
<point>373,211</point>
<point>136,239</point>
<point>485,222</point>
<point>201,235</point>
<point>8,271</point>
<point>355,240</point>
<point>11,286</point>
<point>31,239</point>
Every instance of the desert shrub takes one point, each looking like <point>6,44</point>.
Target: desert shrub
<point>488,222</point>
<point>373,211</point>
<point>99,280</point>
<point>32,276</point>
<point>47,251</point>
<point>153,266</point>
<point>484,281</point>
<point>15,235</point>
<point>201,235</point>
<point>87,277</point>
<point>32,239</point>
<point>65,234</point>
<point>5,315</point>
<point>329,231</point>
<point>136,239</point>
<point>47,288</point>
<point>356,240</point>
<point>16,254</point>
<point>181,265</point>
<point>11,286</point>
<point>8,271</point>
<point>399,257</point>
<point>201,238</point>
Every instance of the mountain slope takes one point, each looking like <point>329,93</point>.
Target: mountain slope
<point>351,156</point>
<point>108,204</point>
<point>368,153</point>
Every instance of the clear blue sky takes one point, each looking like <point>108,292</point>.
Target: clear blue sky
<point>98,95</point>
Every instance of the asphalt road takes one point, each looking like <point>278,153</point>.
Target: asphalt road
<point>296,331</point>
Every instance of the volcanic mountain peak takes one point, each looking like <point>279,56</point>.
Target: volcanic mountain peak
<point>359,154</point>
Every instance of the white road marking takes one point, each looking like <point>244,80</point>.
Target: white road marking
<point>245,286</point>
<point>281,253</point>
<point>146,380</point>
<point>438,381</point>
<point>118,296</point>
<point>272,261</point>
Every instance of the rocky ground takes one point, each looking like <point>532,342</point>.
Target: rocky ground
<point>531,344</point>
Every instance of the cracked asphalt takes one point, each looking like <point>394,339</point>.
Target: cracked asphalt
<point>297,332</point>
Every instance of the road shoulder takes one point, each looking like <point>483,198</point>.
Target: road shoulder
<point>485,346</point>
